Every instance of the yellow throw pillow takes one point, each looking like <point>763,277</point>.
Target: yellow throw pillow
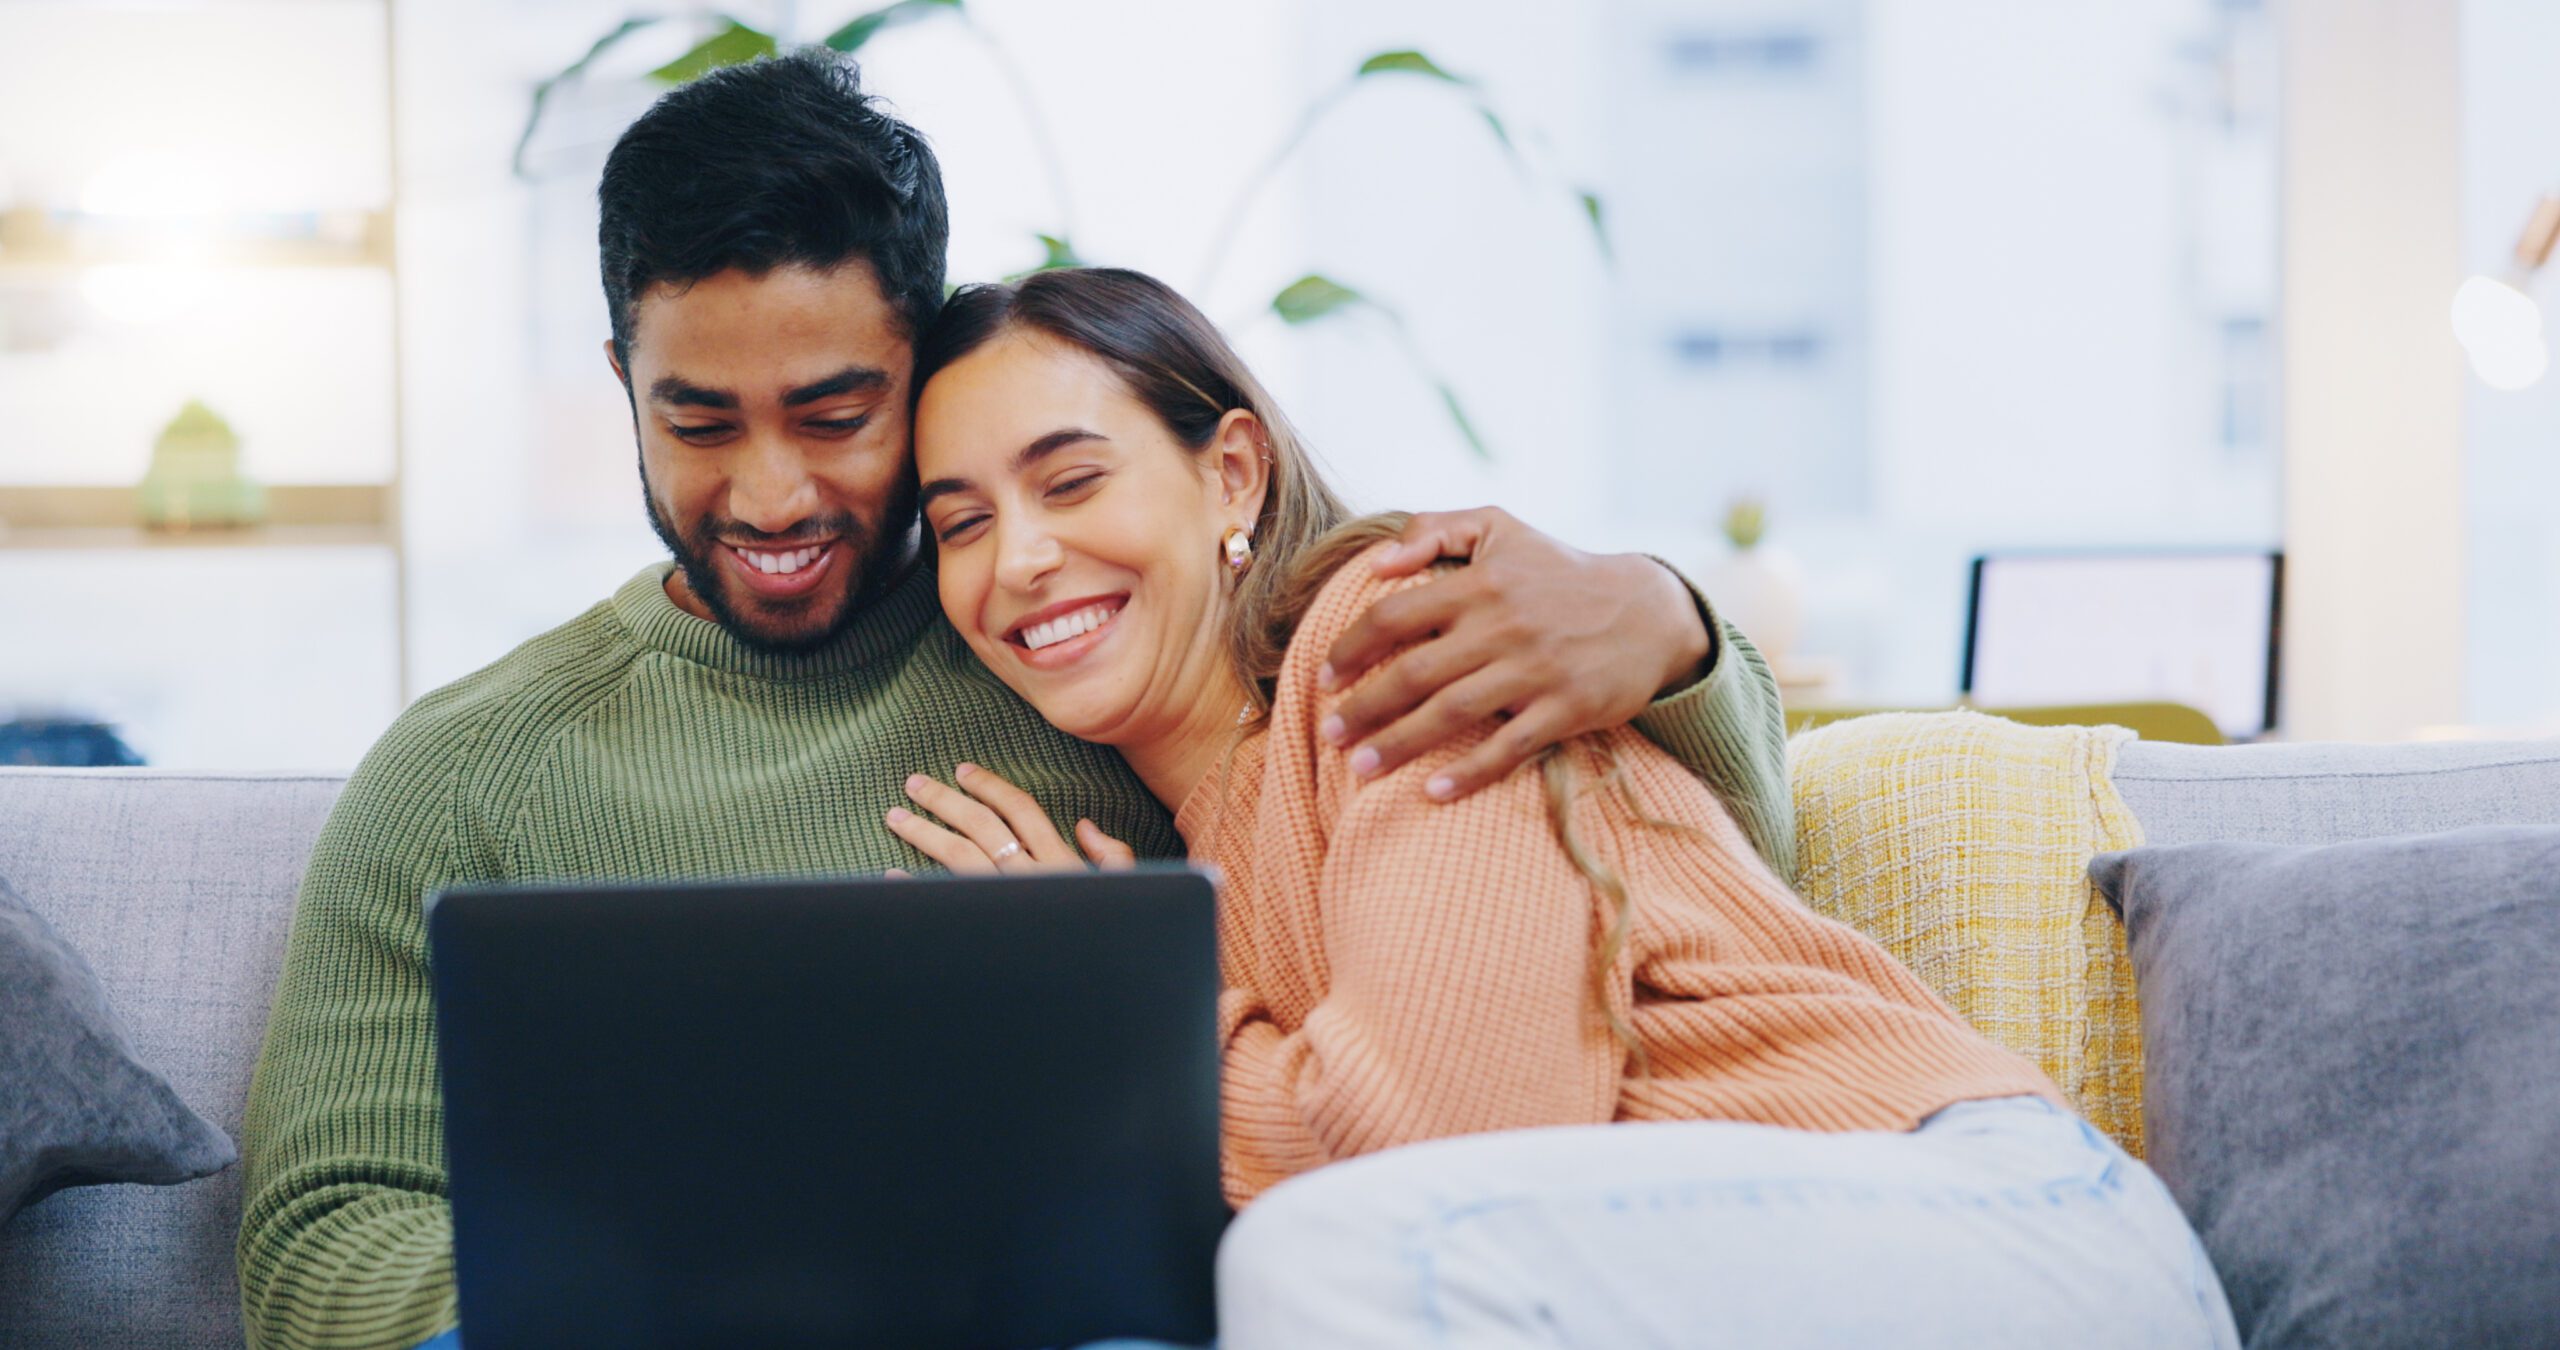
<point>1962,843</point>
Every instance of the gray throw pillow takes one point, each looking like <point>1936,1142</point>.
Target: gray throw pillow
<point>75,1108</point>
<point>2351,1062</point>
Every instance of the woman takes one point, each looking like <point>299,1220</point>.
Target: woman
<point>1771,1133</point>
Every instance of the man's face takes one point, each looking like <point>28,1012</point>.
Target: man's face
<point>772,420</point>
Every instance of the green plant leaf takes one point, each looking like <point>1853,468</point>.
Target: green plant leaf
<point>734,45</point>
<point>1055,252</point>
<point>866,27</point>
<point>1599,224</point>
<point>542,91</point>
<point>1314,296</point>
<point>1500,132</point>
<point>1407,63</point>
<point>1311,297</point>
<point>1467,429</point>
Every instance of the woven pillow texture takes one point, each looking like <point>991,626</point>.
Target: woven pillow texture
<point>1962,842</point>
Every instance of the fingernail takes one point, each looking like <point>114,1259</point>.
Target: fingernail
<point>915,782</point>
<point>964,770</point>
<point>1364,761</point>
<point>898,815</point>
<point>1441,788</point>
<point>1324,680</point>
<point>1331,729</point>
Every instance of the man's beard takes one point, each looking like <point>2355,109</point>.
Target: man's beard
<point>873,559</point>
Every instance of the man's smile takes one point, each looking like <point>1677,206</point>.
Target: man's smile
<point>781,574</point>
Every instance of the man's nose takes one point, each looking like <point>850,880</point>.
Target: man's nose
<point>770,488</point>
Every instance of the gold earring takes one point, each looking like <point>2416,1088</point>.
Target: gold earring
<point>1239,549</point>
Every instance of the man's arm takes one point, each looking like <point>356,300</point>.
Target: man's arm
<point>1557,642</point>
<point>345,1236</point>
<point>1729,729</point>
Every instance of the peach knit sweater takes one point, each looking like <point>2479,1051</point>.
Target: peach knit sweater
<point>1400,970</point>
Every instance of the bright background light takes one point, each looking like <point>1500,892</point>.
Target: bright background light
<point>145,294</point>
<point>2501,328</point>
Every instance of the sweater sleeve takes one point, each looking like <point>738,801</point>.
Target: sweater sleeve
<point>1453,941</point>
<point>345,1236</point>
<point>1729,729</point>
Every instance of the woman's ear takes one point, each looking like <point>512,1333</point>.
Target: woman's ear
<point>1243,455</point>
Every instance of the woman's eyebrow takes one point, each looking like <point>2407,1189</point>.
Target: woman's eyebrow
<point>1023,459</point>
<point>1051,444</point>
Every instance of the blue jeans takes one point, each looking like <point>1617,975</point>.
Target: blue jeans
<point>452,1340</point>
<point>1996,1223</point>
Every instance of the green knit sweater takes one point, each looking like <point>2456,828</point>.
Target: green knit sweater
<point>637,741</point>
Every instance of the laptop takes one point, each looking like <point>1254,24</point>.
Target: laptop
<point>2199,627</point>
<point>945,1113</point>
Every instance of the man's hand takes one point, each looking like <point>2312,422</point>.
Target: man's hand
<point>1555,641</point>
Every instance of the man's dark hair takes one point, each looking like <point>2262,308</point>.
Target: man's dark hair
<point>776,162</point>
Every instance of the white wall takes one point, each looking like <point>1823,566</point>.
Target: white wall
<point>1409,197</point>
<point>2373,471</point>
<point>2511,441</point>
<point>2053,240</point>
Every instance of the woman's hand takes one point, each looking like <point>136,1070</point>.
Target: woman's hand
<point>988,825</point>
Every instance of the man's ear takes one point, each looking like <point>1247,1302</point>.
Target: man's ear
<point>630,396</point>
<point>1243,455</point>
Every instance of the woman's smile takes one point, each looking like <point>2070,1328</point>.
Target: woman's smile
<point>1055,636</point>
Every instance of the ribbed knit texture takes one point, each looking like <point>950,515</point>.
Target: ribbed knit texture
<point>1400,970</point>
<point>634,742</point>
<point>1730,730</point>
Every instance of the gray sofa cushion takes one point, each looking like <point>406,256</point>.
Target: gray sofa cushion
<point>2350,1078</point>
<point>178,888</point>
<point>76,1108</point>
<point>2329,793</point>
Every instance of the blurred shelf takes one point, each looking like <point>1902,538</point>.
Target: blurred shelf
<point>135,538</point>
<point>299,515</point>
<point>167,220</point>
<point>38,244</point>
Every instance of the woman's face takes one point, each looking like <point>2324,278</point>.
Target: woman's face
<point>1080,541</point>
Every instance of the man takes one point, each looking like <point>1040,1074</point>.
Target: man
<point>771,244</point>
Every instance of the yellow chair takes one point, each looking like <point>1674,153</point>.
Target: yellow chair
<point>2174,722</point>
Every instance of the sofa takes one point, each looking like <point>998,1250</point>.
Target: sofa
<point>179,887</point>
